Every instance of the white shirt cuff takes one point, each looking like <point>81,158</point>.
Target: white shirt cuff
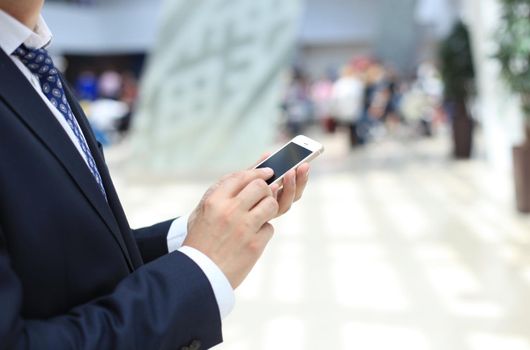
<point>177,233</point>
<point>224,294</point>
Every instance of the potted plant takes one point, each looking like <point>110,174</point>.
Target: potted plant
<point>458,74</point>
<point>514,55</point>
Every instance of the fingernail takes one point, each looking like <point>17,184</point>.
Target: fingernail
<point>268,171</point>
<point>307,173</point>
<point>275,188</point>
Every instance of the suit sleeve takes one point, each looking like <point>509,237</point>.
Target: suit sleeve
<point>166,304</point>
<point>152,241</point>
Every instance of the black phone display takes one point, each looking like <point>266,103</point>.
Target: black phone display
<point>285,159</point>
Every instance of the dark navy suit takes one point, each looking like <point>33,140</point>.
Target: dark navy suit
<point>73,275</point>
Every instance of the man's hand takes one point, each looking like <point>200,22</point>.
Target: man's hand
<point>294,183</point>
<point>230,224</point>
<point>293,186</point>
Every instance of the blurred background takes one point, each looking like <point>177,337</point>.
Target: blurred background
<point>413,233</point>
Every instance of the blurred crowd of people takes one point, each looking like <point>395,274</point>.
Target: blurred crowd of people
<point>367,98</point>
<point>108,100</point>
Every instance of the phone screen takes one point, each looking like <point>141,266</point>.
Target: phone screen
<point>284,160</point>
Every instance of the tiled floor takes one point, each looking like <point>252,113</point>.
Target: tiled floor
<point>393,247</point>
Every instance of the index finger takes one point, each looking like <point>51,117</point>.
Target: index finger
<point>233,184</point>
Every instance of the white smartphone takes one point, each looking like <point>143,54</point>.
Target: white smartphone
<point>299,150</point>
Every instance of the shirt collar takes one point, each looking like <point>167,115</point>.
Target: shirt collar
<point>13,34</point>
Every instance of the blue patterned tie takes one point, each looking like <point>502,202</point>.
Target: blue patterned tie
<point>40,63</point>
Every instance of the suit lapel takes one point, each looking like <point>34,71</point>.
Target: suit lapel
<point>21,96</point>
<point>112,196</point>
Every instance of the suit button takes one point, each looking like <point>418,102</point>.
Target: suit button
<point>195,345</point>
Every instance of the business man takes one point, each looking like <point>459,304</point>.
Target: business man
<point>73,275</point>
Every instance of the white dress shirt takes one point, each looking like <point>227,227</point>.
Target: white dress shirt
<point>12,35</point>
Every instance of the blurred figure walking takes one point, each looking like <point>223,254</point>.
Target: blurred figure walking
<point>347,102</point>
<point>297,104</point>
<point>321,94</point>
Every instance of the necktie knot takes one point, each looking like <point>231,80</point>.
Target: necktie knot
<point>38,62</point>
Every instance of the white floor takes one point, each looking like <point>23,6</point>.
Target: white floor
<point>393,247</point>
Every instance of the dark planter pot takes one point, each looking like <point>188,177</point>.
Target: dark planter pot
<point>463,126</point>
<point>463,137</point>
<point>521,162</point>
<point>329,124</point>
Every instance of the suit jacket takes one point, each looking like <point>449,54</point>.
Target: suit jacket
<point>73,275</point>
